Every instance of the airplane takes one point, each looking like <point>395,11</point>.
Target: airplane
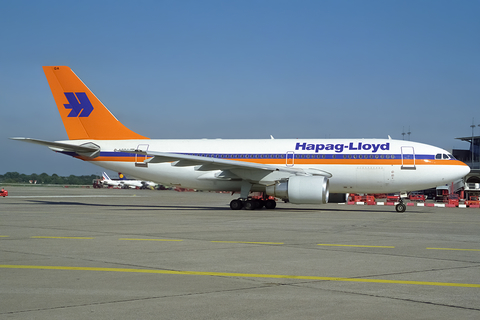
<point>123,182</point>
<point>109,182</point>
<point>135,183</point>
<point>299,171</point>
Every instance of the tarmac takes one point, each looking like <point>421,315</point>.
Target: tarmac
<point>73,253</point>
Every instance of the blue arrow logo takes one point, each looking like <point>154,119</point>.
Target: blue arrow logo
<point>79,103</point>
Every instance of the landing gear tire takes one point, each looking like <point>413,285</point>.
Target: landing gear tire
<point>236,204</point>
<point>250,205</point>
<point>260,204</point>
<point>400,207</point>
<point>270,204</point>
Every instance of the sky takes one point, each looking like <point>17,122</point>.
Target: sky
<point>242,69</point>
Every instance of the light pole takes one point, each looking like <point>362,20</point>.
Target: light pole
<point>403,133</point>
<point>471,147</point>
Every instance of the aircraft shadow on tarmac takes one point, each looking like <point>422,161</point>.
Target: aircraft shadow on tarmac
<point>125,206</point>
<point>210,208</point>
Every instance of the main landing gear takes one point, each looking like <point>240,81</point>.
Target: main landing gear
<point>252,204</point>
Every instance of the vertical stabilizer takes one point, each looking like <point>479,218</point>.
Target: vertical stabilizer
<point>83,115</point>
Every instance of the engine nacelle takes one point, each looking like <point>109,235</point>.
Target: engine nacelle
<point>301,190</point>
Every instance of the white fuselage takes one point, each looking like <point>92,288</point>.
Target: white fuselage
<point>355,165</point>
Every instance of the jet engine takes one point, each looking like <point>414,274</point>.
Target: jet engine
<point>301,190</point>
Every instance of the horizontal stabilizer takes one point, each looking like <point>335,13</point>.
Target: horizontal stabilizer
<point>89,149</point>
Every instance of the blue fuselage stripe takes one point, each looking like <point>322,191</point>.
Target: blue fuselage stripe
<point>113,155</point>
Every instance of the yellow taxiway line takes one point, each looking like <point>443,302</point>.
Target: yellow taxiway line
<point>131,239</point>
<point>353,245</point>
<point>244,275</point>
<point>48,237</point>
<point>248,242</point>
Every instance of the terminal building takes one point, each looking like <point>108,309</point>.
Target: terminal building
<point>471,157</point>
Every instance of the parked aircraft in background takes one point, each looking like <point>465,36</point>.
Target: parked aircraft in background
<point>106,181</point>
<point>135,183</point>
<point>301,171</point>
<point>126,183</point>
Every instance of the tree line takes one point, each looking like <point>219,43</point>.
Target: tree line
<point>15,177</point>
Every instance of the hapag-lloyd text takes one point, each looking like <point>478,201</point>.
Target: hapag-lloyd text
<point>372,147</point>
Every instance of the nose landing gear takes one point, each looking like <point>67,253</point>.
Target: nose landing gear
<point>401,207</point>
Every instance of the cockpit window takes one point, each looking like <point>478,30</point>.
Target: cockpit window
<point>447,156</point>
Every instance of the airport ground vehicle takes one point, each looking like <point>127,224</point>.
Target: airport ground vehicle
<point>452,199</point>
<point>3,193</point>
<point>473,201</point>
<point>416,196</point>
<point>361,198</point>
<point>97,183</point>
<point>393,198</point>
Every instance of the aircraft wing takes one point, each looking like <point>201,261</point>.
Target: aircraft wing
<point>211,164</point>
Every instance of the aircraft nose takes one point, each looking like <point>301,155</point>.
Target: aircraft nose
<point>460,170</point>
<point>463,170</point>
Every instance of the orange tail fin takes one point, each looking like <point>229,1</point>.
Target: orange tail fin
<point>83,115</point>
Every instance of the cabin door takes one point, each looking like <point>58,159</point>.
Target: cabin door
<point>140,158</point>
<point>408,158</point>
